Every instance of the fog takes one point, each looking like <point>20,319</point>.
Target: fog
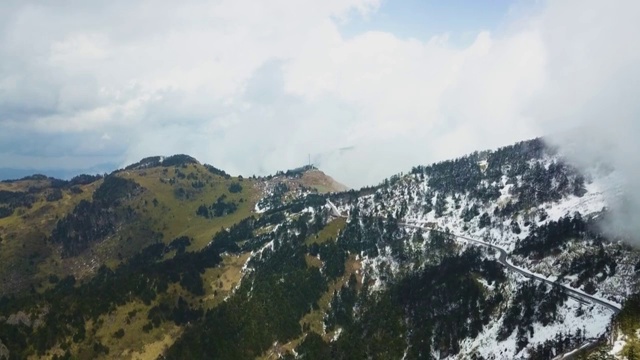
<point>83,83</point>
<point>589,105</point>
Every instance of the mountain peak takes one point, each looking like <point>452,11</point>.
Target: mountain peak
<point>308,176</point>
<point>155,161</point>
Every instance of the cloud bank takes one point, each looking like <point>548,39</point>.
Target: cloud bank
<point>588,104</point>
<point>253,87</point>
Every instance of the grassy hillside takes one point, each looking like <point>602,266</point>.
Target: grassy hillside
<point>117,266</point>
<point>164,209</point>
<point>25,257</point>
<point>174,194</point>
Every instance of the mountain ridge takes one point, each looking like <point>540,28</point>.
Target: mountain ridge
<point>209,265</point>
<point>146,162</point>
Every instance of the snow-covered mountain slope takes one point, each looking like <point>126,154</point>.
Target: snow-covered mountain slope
<point>526,199</point>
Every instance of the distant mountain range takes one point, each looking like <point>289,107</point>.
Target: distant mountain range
<point>65,174</point>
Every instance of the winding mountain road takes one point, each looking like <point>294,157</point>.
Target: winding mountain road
<point>503,259</point>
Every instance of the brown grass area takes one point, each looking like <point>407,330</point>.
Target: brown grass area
<point>138,345</point>
<point>312,261</point>
<point>25,256</point>
<point>329,232</point>
<point>278,350</point>
<point>320,181</point>
<point>24,185</point>
<point>221,280</point>
<point>152,351</point>
<point>135,344</point>
<point>134,339</point>
<point>315,180</point>
<point>43,214</point>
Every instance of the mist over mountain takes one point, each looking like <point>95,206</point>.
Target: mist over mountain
<point>250,95</point>
<point>327,179</point>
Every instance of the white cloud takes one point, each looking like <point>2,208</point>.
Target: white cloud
<point>592,82</point>
<point>253,87</point>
